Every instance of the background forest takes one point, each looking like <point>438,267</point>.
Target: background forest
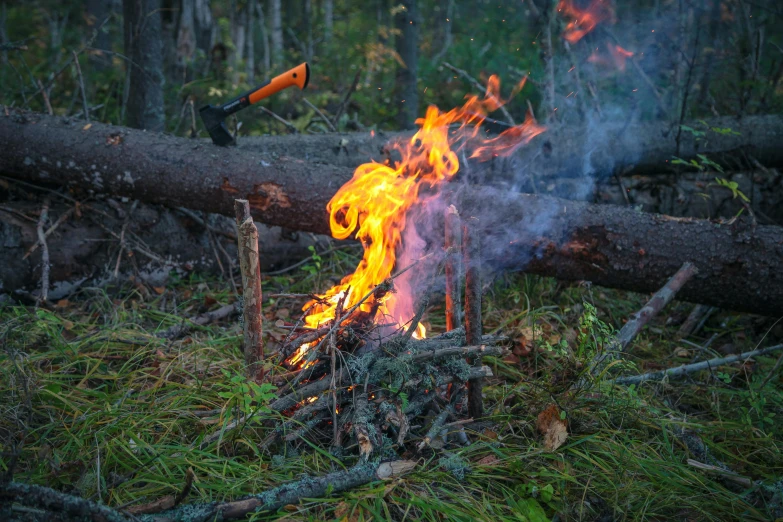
<point>646,144</point>
<point>660,59</point>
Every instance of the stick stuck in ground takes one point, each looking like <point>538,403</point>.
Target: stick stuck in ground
<point>453,268</point>
<point>471,255</point>
<point>247,239</point>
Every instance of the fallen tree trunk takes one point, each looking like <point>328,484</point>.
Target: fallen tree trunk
<point>86,244</point>
<point>646,147</point>
<point>739,266</point>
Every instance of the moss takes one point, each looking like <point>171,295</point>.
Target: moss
<point>455,465</point>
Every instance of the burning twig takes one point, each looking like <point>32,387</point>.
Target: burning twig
<point>471,252</point>
<point>453,268</point>
<point>249,263</point>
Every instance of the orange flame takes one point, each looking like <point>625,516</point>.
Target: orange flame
<point>619,55</point>
<point>583,20</point>
<point>374,204</point>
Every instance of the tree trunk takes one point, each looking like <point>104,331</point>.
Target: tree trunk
<point>596,151</point>
<point>407,44</point>
<point>264,37</point>
<point>186,39</point>
<point>277,34</point>
<point>740,267</point>
<point>328,19</point>
<point>308,23</point>
<point>250,59</point>
<point>144,48</point>
<point>3,32</point>
<point>97,11</point>
<point>238,26</point>
<point>204,26</point>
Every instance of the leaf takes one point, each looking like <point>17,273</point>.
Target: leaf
<point>489,460</point>
<point>552,427</point>
<point>87,127</point>
<point>547,492</point>
<point>531,509</point>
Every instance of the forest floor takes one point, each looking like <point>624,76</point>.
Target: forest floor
<point>116,414</point>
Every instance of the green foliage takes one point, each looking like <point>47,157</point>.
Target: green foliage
<point>315,267</point>
<point>246,395</point>
<point>733,186</point>
<point>701,164</point>
<point>593,333</point>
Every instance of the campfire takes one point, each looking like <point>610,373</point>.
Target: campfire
<point>359,358</point>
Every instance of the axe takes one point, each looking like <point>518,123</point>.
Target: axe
<point>214,118</point>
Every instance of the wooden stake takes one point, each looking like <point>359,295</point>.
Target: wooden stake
<point>471,254</point>
<point>247,239</point>
<point>453,268</point>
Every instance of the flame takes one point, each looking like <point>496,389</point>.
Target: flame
<point>374,204</point>
<point>619,55</point>
<point>583,20</point>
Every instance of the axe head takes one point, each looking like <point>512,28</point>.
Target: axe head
<point>214,119</point>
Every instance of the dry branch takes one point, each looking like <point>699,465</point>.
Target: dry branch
<point>199,320</point>
<point>661,298</point>
<point>51,500</point>
<point>42,219</point>
<point>685,369</point>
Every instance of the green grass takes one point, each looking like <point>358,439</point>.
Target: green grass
<point>67,376</point>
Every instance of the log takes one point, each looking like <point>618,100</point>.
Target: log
<point>84,246</point>
<point>739,265</point>
<point>560,152</point>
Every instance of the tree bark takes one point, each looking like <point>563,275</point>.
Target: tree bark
<point>407,44</point>
<point>740,266</point>
<point>573,151</point>
<point>144,48</point>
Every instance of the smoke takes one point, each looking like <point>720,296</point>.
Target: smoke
<point>601,96</point>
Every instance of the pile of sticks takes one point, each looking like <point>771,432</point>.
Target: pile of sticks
<point>373,388</point>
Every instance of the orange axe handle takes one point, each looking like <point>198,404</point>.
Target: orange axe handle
<point>299,76</point>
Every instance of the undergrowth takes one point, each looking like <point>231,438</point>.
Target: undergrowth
<point>108,411</point>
